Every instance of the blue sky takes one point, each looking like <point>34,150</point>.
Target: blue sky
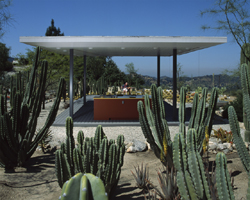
<point>127,18</point>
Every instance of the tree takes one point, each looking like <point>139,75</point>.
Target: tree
<point>53,31</point>
<point>112,73</point>
<point>132,72</point>
<point>5,65</point>
<point>233,17</point>
<point>5,16</point>
<point>180,77</point>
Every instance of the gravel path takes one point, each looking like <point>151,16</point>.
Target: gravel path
<point>129,132</point>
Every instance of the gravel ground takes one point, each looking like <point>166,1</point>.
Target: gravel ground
<point>129,132</point>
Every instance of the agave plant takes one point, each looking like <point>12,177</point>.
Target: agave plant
<point>151,195</point>
<point>168,184</point>
<point>141,176</point>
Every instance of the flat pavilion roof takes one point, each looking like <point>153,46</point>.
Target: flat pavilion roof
<point>123,45</point>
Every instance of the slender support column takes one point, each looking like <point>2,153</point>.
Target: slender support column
<point>84,82</point>
<point>71,106</point>
<point>174,84</point>
<point>158,71</point>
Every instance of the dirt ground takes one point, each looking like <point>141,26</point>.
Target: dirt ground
<point>37,181</point>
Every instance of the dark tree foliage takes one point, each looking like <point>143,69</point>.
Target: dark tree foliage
<point>5,65</point>
<point>112,73</point>
<point>53,31</point>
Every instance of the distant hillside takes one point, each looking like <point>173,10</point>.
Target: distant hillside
<point>201,81</point>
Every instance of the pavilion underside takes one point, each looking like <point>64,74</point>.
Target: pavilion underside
<point>156,46</point>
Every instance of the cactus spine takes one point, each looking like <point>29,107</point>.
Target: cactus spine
<point>18,140</point>
<point>83,186</point>
<point>94,155</point>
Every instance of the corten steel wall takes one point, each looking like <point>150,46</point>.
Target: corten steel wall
<point>114,109</point>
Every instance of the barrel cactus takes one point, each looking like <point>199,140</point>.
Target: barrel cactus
<point>83,186</point>
<point>18,125</point>
<point>94,155</point>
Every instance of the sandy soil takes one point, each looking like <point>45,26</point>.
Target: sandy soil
<point>37,180</point>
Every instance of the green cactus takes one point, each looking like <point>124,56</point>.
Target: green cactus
<point>245,84</point>
<point>155,128</point>
<point>237,139</point>
<point>94,155</point>
<point>191,178</point>
<point>17,129</point>
<point>155,119</point>
<point>224,187</point>
<point>83,186</point>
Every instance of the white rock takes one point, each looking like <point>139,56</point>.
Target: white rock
<point>226,151</point>
<point>136,146</point>
<point>215,152</point>
<point>148,145</point>
<point>234,146</point>
<point>131,149</point>
<point>213,146</point>
<point>128,145</point>
<point>220,147</point>
<point>247,146</point>
<point>227,145</point>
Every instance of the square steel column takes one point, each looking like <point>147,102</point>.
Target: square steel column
<point>158,70</point>
<point>71,61</point>
<point>84,82</point>
<point>174,84</point>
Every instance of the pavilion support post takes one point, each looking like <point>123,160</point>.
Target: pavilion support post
<point>84,82</point>
<point>71,97</point>
<point>158,70</point>
<point>174,84</point>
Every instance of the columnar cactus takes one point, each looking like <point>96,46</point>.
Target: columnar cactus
<point>18,140</point>
<point>154,125</point>
<point>245,84</point>
<point>94,155</point>
<point>191,178</point>
<point>223,180</point>
<point>155,128</point>
<point>237,139</point>
<point>83,186</point>
<point>198,120</point>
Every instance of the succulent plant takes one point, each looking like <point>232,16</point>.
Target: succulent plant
<point>155,128</point>
<point>94,155</point>
<point>141,176</point>
<point>83,186</point>
<point>18,126</point>
<point>168,184</point>
<point>244,72</point>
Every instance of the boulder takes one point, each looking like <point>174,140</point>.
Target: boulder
<point>137,146</point>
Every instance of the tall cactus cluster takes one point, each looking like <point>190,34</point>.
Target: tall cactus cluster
<point>245,69</point>
<point>18,125</point>
<point>94,155</point>
<point>155,128</point>
<point>191,178</point>
<point>234,124</point>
